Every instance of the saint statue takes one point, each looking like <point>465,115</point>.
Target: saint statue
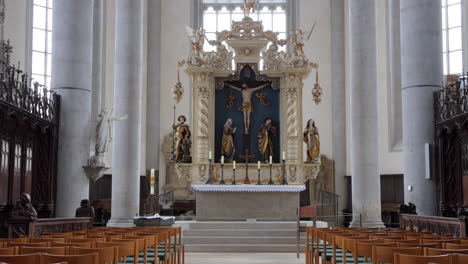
<point>182,141</point>
<point>103,136</point>
<point>312,139</point>
<point>227,142</point>
<point>265,139</point>
<point>197,37</point>
<point>297,40</point>
<point>247,107</point>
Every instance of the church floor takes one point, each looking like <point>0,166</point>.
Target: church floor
<point>243,258</point>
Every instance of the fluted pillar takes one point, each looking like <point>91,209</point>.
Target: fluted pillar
<point>364,114</point>
<point>421,75</point>
<point>338,84</point>
<point>126,141</point>
<point>72,80</point>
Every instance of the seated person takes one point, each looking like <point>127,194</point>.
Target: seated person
<point>85,209</point>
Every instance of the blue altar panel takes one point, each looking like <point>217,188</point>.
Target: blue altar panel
<point>257,118</point>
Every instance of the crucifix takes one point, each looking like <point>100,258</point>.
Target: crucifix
<point>246,157</point>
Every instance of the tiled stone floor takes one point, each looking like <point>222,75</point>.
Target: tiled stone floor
<point>243,258</point>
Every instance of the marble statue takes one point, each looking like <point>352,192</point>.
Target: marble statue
<point>197,37</point>
<point>182,140</point>
<point>312,140</point>
<point>24,209</point>
<point>297,40</point>
<point>103,137</point>
<point>247,107</point>
<point>227,143</point>
<point>265,139</point>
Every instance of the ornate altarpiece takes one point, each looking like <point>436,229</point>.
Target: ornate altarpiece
<point>248,44</point>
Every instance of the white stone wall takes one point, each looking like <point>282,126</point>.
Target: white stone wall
<point>16,29</point>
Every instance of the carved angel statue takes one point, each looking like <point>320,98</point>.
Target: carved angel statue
<point>103,136</point>
<point>297,40</point>
<point>197,37</point>
<point>250,5</point>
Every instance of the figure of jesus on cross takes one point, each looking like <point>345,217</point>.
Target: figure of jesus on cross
<point>247,107</point>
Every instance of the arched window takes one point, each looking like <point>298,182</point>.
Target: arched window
<point>452,36</point>
<point>217,15</point>
<point>41,44</point>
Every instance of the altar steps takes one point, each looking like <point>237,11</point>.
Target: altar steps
<point>207,237</point>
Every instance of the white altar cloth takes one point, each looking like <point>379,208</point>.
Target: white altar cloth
<point>248,188</point>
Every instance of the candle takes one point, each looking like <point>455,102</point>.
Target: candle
<point>258,165</point>
<point>316,77</point>
<point>284,155</point>
<point>209,155</point>
<point>152,181</point>
<point>271,159</point>
<point>234,164</point>
<point>222,159</point>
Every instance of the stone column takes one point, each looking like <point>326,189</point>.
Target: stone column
<point>291,114</point>
<point>126,142</point>
<point>338,84</point>
<point>394,75</point>
<point>364,116</point>
<point>201,117</point>
<point>98,66</point>
<point>153,85</point>
<point>421,75</point>
<point>72,71</point>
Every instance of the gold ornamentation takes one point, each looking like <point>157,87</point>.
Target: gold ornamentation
<point>230,101</point>
<point>262,97</point>
<point>317,91</point>
<point>178,90</point>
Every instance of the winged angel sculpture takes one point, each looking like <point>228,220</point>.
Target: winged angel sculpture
<point>219,59</point>
<point>250,5</point>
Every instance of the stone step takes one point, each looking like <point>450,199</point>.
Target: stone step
<point>238,225</point>
<point>241,240</point>
<point>276,248</point>
<point>240,233</point>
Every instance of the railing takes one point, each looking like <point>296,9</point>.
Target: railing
<point>434,224</point>
<point>33,228</point>
<point>452,101</point>
<point>16,90</point>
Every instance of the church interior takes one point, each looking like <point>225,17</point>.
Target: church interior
<point>233,131</point>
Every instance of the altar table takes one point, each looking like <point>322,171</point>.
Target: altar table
<point>244,202</point>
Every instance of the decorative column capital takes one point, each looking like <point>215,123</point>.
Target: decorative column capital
<point>291,93</point>
<point>203,91</point>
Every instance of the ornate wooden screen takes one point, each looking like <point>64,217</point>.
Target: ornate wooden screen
<point>451,125</point>
<point>28,140</point>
